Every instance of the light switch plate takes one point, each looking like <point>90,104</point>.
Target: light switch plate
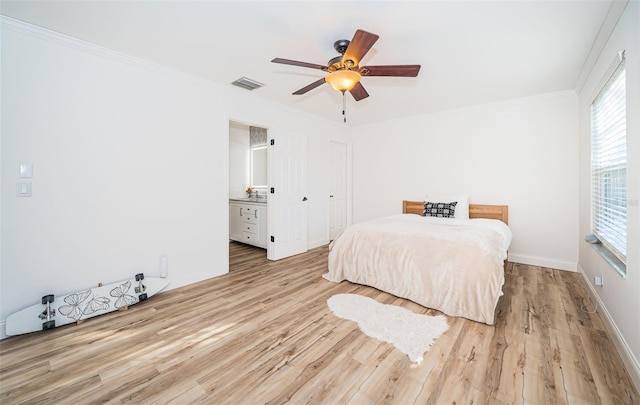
<point>23,189</point>
<point>26,170</point>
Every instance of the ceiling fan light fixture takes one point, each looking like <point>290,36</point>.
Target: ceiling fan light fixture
<point>343,80</point>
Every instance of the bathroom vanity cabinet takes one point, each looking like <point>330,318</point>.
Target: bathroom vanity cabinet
<point>248,222</point>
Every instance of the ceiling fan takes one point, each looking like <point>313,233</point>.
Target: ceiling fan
<point>345,70</point>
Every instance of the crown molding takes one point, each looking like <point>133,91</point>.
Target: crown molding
<point>604,33</point>
<point>94,49</point>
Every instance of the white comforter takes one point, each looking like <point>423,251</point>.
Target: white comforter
<point>452,265</point>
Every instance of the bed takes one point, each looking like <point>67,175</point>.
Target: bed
<point>453,265</point>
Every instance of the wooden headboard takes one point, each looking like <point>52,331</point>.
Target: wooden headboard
<point>500,212</point>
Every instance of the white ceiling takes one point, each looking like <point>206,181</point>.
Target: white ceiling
<point>471,52</point>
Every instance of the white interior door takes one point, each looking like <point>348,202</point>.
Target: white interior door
<point>287,216</point>
<point>337,188</point>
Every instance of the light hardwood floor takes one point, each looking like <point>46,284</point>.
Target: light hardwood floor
<point>264,334</point>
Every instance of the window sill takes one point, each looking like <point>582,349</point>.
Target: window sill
<point>609,257</point>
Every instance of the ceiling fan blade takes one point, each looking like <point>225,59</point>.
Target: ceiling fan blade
<point>358,92</point>
<point>390,70</point>
<point>301,64</point>
<point>309,87</point>
<point>360,44</point>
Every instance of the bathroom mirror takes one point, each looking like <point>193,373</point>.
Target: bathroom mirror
<point>259,166</point>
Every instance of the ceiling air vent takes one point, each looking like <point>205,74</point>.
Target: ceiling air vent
<point>247,83</point>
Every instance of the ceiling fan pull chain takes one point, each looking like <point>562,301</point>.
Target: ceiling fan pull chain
<point>344,107</point>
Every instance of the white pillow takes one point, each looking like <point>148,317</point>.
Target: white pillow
<point>462,208</point>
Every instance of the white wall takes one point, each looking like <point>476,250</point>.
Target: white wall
<point>518,152</point>
<point>619,297</point>
<point>130,162</point>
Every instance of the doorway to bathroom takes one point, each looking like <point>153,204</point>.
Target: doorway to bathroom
<point>277,216</point>
<point>248,197</point>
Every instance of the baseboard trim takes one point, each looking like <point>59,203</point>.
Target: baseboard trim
<point>630,362</point>
<point>317,243</point>
<point>541,262</point>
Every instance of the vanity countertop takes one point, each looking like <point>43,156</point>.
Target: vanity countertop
<point>256,200</point>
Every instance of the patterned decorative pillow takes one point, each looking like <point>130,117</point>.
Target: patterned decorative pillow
<point>442,210</point>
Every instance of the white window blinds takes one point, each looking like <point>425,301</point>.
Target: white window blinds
<point>609,164</point>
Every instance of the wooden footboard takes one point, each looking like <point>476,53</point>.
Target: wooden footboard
<point>500,212</point>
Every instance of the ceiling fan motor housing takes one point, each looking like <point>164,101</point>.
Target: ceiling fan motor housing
<point>341,45</point>
<point>337,63</point>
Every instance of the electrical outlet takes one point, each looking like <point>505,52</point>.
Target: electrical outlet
<point>597,280</point>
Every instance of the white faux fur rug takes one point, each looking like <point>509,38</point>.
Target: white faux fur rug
<point>411,333</point>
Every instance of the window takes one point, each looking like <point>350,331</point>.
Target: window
<point>609,168</point>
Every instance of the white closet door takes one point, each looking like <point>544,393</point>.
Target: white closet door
<point>337,189</point>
